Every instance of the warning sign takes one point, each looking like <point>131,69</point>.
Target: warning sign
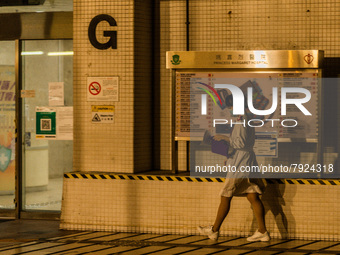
<point>102,89</point>
<point>95,88</point>
<point>96,118</point>
<point>103,113</point>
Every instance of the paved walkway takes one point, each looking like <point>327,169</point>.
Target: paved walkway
<point>45,238</point>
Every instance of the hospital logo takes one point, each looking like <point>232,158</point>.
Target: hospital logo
<point>175,60</point>
<point>308,58</point>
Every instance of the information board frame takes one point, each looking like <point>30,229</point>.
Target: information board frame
<point>234,72</point>
<point>241,61</point>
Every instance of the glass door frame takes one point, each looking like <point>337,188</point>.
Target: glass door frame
<point>18,155</point>
<point>11,213</point>
<point>33,26</point>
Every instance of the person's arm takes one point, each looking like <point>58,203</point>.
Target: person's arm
<point>221,137</point>
<point>239,138</point>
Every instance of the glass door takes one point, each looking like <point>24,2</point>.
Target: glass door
<point>47,117</point>
<point>7,128</point>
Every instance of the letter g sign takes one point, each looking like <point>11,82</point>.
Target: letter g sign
<point>112,42</point>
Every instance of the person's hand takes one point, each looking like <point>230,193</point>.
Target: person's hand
<point>221,137</point>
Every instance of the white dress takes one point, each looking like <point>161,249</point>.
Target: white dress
<point>242,139</point>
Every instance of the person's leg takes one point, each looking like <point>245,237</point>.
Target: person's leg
<point>258,210</point>
<point>222,212</point>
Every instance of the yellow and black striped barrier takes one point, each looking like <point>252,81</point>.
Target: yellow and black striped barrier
<point>102,176</point>
<point>304,181</point>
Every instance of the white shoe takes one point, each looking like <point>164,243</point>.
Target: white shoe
<point>209,232</point>
<point>258,236</point>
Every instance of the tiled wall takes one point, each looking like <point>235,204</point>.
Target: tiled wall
<point>173,207</point>
<point>125,145</point>
<point>172,37</point>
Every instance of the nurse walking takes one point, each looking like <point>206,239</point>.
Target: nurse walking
<point>242,140</point>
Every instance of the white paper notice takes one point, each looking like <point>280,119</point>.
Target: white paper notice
<point>56,93</point>
<point>64,123</point>
<point>27,93</point>
<point>266,144</point>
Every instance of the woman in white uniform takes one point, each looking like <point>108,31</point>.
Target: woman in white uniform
<point>242,140</point>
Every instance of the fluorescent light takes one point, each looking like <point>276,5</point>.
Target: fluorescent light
<point>63,53</point>
<point>26,53</point>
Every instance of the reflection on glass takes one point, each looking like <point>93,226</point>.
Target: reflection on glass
<point>7,126</point>
<point>44,161</point>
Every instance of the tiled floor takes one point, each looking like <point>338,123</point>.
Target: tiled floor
<point>131,243</point>
<point>44,237</point>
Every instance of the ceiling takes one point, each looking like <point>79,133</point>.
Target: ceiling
<point>48,6</point>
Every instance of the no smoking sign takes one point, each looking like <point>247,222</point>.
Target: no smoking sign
<point>95,88</point>
<point>102,89</point>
